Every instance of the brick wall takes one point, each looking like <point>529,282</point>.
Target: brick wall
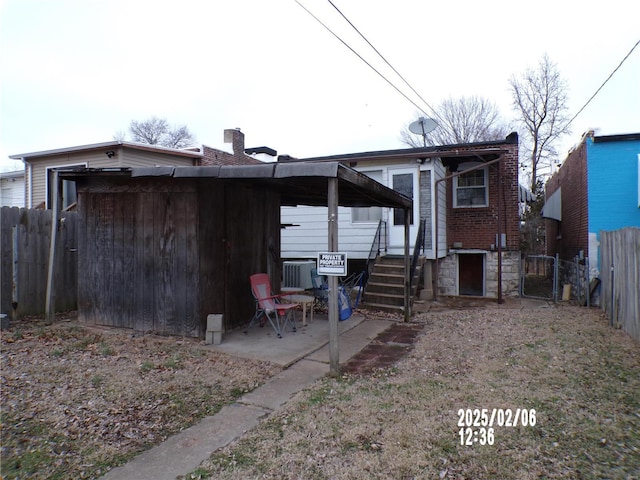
<point>570,235</point>
<point>213,156</point>
<point>477,227</point>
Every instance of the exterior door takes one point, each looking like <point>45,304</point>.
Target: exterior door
<point>471,274</point>
<point>405,181</point>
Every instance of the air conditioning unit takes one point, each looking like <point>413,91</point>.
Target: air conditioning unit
<point>298,275</point>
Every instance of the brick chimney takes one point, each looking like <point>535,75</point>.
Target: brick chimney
<point>236,138</point>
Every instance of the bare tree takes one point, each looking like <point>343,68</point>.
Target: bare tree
<point>540,99</point>
<point>157,131</point>
<point>462,120</point>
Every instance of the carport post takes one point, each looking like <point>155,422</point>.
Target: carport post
<point>332,203</point>
<point>407,265</point>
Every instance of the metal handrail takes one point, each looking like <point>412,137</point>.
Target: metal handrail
<point>419,246</point>
<point>376,246</point>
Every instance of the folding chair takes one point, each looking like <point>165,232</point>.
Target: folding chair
<point>268,305</point>
<point>354,283</point>
<point>320,289</point>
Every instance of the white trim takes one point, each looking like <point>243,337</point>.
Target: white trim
<point>354,223</point>
<point>56,167</point>
<point>485,171</point>
<point>29,185</point>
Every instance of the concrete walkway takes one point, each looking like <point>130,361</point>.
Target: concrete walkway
<point>305,356</point>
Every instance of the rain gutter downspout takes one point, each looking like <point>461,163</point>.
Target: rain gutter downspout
<point>437,264</point>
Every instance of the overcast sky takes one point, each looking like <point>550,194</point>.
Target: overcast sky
<point>77,72</point>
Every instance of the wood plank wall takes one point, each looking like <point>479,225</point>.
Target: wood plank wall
<point>34,234</point>
<point>138,262</point>
<point>159,255</point>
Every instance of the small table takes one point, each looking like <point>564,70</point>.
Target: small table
<point>303,300</point>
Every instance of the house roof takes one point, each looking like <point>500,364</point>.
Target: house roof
<point>298,183</point>
<point>626,137</point>
<point>12,174</point>
<point>113,144</point>
<point>462,152</point>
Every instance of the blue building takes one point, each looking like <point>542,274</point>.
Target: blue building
<point>597,188</point>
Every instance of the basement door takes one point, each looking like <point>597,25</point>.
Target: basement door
<point>471,274</point>
<point>405,181</point>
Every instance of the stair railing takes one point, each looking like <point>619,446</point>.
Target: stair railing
<point>418,247</point>
<point>379,240</point>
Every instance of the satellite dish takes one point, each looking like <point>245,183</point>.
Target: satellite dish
<point>422,126</point>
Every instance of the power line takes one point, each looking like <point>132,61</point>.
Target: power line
<point>603,84</point>
<point>365,61</point>
<point>384,59</point>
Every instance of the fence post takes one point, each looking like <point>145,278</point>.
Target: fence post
<point>587,283</point>
<point>576,261</point>
<point>556,279</point>
<point>611,278</point>
<point>49,301</point>
<point>14,278</point>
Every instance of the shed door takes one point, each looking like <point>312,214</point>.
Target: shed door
<point>471,274</point>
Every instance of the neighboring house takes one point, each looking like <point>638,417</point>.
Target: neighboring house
<point>12,189</point>
<point>39,166</point>
<point>597,188</point>
<point>471,211</point>
<point>239,155</point>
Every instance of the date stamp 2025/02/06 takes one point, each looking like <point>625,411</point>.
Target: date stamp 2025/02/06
<point>477,426</point>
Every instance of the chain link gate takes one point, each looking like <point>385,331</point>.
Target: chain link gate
<point>539,277</point>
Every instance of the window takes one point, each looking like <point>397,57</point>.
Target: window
<point>368,214</point>
<point>471,189</point>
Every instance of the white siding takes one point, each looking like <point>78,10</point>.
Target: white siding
<point>40,166</point>
<point>140,158</point>
<point>12,192</point>
<point>125,157</point>
<point>309,234</point>
<point>439,172</point>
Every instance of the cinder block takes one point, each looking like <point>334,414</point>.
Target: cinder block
<point>215,322</point>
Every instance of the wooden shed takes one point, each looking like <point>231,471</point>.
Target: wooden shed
<point>160,248</point>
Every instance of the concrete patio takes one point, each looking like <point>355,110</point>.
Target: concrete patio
<point>261,343</point>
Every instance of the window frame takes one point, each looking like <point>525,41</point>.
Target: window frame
<point>485,187</point>
<point>381,172</point>
<point>49,191</point>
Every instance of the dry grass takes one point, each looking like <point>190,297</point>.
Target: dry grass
<point>582,378</point>
<point>77,401</point>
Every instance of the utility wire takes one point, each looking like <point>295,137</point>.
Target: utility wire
<point>361,58</point>
<point>385,60</point>
<point>603,84</point>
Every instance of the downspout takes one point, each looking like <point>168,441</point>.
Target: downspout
<point>499,239</point>
<point>437,264</point>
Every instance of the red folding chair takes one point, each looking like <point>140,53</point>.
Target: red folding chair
<point>269,305</point>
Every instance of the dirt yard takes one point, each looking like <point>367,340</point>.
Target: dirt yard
<point>77,401</point>
<point>577,379</point>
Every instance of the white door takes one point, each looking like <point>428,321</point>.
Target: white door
<point>405,181</point>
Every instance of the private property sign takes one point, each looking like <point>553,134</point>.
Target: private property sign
<point>332,263</point>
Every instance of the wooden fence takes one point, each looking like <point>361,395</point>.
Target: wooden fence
<point>620,276</point>
<point>25,269</point>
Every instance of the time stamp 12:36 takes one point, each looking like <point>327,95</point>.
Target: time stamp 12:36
<point>477,426</point>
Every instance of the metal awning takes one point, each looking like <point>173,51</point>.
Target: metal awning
<point>553,206</point>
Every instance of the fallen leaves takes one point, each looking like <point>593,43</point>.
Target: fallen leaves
<point>77,400</point>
